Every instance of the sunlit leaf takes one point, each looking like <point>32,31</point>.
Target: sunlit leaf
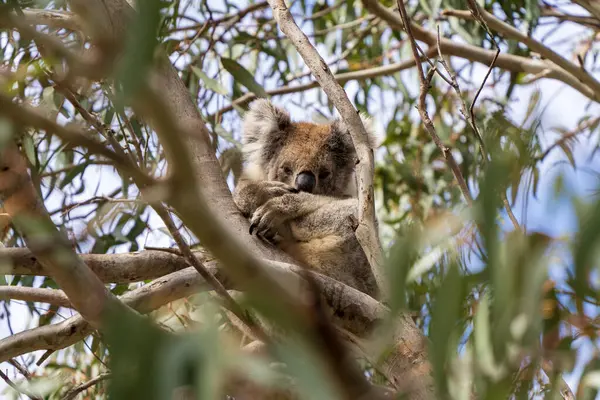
<point>243,77</point>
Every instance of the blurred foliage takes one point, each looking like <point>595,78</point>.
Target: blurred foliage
<point>484,293</point>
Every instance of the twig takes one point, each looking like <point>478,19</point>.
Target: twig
<point>69,94</point>
<point>568,136</point>
<point>18,389</point>
<point>341,78</point>
<point>73,392</point>
<point>422,107</point>
<point>476,12</point>
<point>470,116</point>
<point>20,368</point>
<point>325,11</point>
<point>589,22</point>
<point>227,18</point>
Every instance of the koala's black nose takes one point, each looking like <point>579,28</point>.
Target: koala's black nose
<point>305,181</point>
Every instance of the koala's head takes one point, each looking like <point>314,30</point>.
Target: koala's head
<point>315,158</point>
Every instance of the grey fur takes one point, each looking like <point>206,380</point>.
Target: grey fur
<point>314,228</point>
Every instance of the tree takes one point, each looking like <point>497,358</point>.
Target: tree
<point>120,144</point>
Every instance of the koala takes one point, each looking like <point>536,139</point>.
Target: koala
<point>298,188</point>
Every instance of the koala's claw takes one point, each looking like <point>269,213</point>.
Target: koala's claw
<point>252,227</point>
<point>265,221</point>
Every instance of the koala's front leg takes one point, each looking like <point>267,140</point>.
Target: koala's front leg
<point>250,194</point>
<point>269,218</point>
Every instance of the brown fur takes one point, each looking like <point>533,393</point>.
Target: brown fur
<point>315,228</point>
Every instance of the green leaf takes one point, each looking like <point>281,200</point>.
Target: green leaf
<point>225,135</point>
<point>7,130</point>
<point>444,320</point>
<point>210,83</point>
<point>243,77</point>
<point>586,248</point>
<point>137,350</point>
<point>29,147</point>
<point>567,150</point>
<point>141,41</point>
<point>308,370</point>
<point>72,174</point>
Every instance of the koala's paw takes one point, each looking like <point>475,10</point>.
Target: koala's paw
<point>274,189</point>
<point>267,219</point>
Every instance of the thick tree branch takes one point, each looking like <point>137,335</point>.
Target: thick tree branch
<point>366,233</point>
<point>358,313</point>
<point>38,295</point>
<point>110,268</point>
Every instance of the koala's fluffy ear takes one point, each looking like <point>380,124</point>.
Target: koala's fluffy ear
<point>265,128</point>
<point>341,141</point>
<point>372,136</point>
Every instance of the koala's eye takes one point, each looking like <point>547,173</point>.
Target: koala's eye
<point>324,174</point>
<point>287,170</point>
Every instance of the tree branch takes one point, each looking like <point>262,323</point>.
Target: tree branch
<point>110,268</point>
<point>37,295</point>
<point>507,62</point>
<point>425,82</point>
<point>53,19</point>
<point>73,392</point>
<point>28,116</point>
<point>351,310</point>
<point>591,6</point>
<point>511,32</point>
